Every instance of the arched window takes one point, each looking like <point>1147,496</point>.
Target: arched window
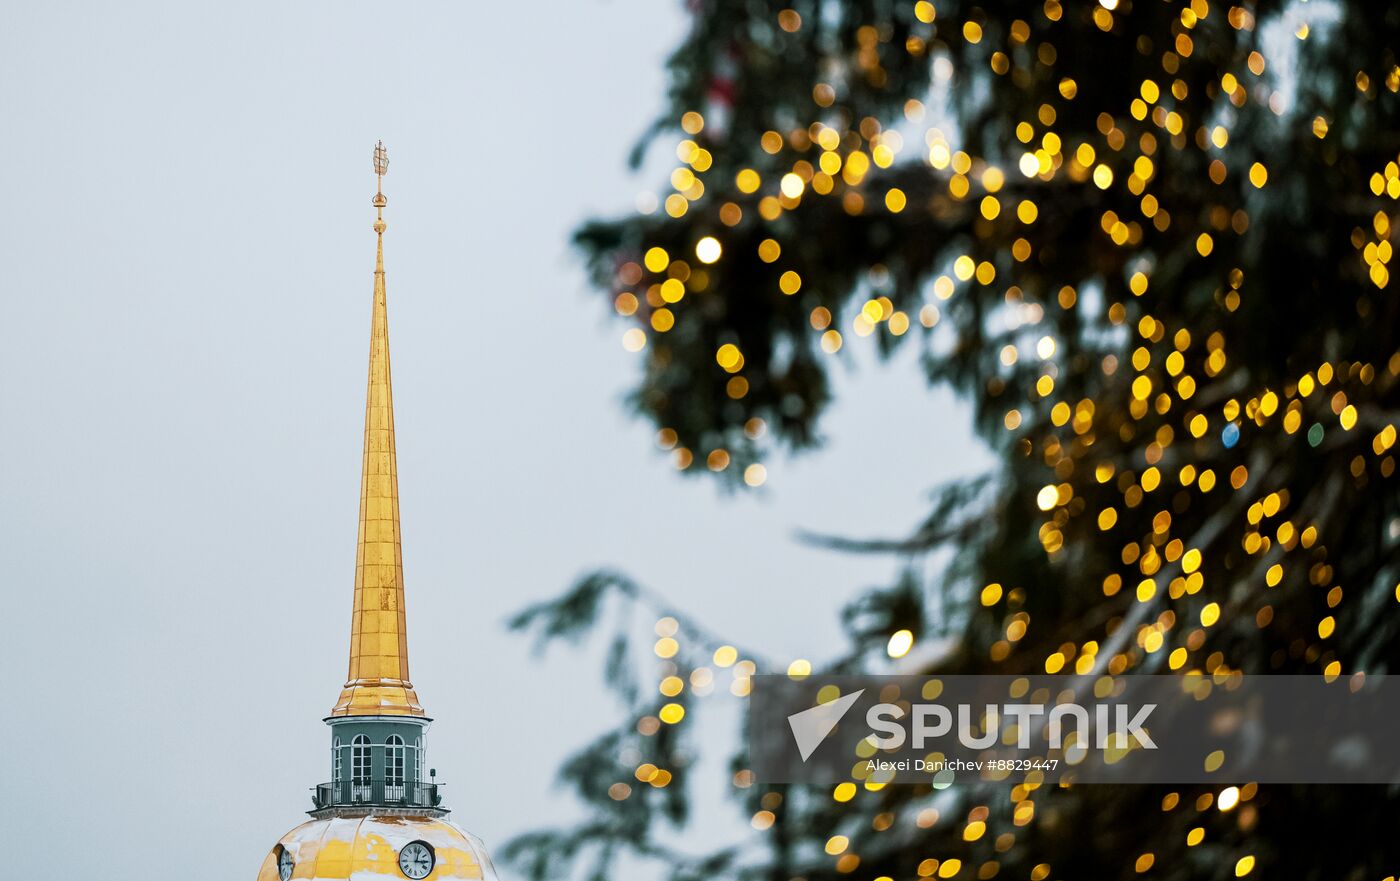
<point>360,768</point>
<point>393,767</point>
<point>335,760</point>
<point>418,759</point>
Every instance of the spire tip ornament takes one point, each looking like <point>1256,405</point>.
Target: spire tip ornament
<point>381,159</point>
<point>381,168</point>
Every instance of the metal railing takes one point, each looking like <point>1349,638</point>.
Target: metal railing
<point>361,791</point>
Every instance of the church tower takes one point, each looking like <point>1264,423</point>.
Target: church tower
<point>381,813</point>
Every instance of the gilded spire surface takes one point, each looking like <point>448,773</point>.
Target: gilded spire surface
<point>378,683</point>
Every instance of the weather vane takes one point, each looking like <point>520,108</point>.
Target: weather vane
<point>381,167</point>
<point>381,159</point>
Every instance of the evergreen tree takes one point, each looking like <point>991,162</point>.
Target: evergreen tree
<point>1149,241</point>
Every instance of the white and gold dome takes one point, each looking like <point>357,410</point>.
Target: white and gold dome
<point>371,846</point>
<point>379,816</point>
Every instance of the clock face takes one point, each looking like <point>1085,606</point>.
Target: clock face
<point>416,860</point>
<point>284,865</point>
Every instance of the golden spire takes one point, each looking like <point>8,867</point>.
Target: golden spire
<point>378,683</point>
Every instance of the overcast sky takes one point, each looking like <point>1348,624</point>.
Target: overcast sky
<point>187,268</point>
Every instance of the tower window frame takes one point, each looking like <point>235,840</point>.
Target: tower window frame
<point>361,768</point>
<point>394,768</point>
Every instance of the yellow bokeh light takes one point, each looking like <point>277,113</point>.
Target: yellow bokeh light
<point>656,259</point>
<point>900,643</point>
<point>672,290</point>
<point>1229,797</point>
<point>708,249</point>
<point>790,282</point>
<point>755,475</point>
<point>672,713</point>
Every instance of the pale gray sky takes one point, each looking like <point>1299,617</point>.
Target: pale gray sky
<point>187,257</point>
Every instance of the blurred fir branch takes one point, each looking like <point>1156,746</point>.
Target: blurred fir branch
<point>1150,245</point>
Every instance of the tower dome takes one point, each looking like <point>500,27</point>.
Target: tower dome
<point>365,847</point>
<point>378,815</point>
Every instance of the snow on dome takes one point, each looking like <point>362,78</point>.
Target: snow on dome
<point>367,849</point>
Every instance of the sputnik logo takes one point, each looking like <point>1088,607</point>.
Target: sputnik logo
<point>811,727</point>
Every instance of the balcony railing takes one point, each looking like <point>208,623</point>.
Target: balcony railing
<point>390,793</point>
